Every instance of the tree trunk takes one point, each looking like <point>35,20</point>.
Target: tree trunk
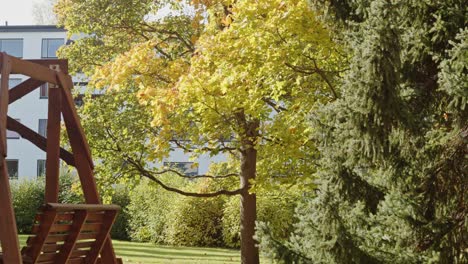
<point>248,207</point>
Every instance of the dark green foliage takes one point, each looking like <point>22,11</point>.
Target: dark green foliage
<point>120,228</point>
<point>28,196</point>
<point>393,166</point>
<point>70,188</point>
<point>275,208</point>
<point>148,210</point>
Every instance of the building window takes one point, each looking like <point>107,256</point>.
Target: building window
<point>50,47</point>
<point>42,127</point>
<point>13,47</point>
<point>12,134</point>
<point>12,166</point>
<point>187,168</point>
<point>12,82</point>
<point>44,91</point>
<point>41,167</point>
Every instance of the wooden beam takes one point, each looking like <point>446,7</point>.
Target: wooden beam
<point>46,224</point>
<point>63,63</point>
<point>5,74</point>
<point>78,144</point>
<point>88,207</point>
<point>38,140</point>
<point>79,219</point>
<point>8,231</point>
<point>73,120</point>
<point>101,238</point>
<point>53,144</point>
<point>85,172</point>
<point>82,156</point>
<point>23,89</point>
<point>31,84</point>
<point>32,70</point>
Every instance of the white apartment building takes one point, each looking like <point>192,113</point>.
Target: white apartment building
<point>26,161</point>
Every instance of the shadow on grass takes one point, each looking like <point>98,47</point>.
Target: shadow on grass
<point>137,252</point>
<point>157,251</point>
<point>127,244</point>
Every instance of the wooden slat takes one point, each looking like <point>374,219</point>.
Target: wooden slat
<point>23,89</point>
<point>79,253</point>
<point>48,248</point>
<point>94,227</point>
<point>58,228</point>
<point>33,70</point>
<point>96,217</point>
<point>53,145</point>
<point>65,217</point>
<point>101,238</point>
<point>8,233</point>
<point>76,261</point>
<point>46,257</point>
<point>78,221</point>
<point>36,139</point>
<point>86,244</point>
<point>60,217</point>
<point>88,207</point>
<point>55,238</point>
<point>86,236</point>
<point>47,262</point>
<point>42,236</point>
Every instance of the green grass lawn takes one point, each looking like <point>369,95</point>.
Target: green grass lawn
<point>136,253</point>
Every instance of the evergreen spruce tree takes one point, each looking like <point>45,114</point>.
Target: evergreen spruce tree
<point>392,181</point>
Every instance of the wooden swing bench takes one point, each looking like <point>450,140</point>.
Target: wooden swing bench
<point>61,233</point>
<point>69,233</point>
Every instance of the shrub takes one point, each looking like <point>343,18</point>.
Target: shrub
<point>148,209</point>
<point>28,196</point>
<point>274,208</point>
<point>69,188</point>
<point>120,229</point>
<point>195,222</point>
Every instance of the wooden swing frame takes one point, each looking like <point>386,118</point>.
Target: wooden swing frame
<point>60,102</point>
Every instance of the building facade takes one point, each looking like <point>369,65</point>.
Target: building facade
<point>24,160</point>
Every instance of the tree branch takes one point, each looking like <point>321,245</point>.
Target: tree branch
<point>275,106</point>
<point>178,173</point>
<point>150,176</point>
<point>312,71</point>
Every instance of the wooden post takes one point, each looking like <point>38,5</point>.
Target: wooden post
<point>53,142</point>
<point>82,157</point>
<point>5,64</point>
<point>8,230</point>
